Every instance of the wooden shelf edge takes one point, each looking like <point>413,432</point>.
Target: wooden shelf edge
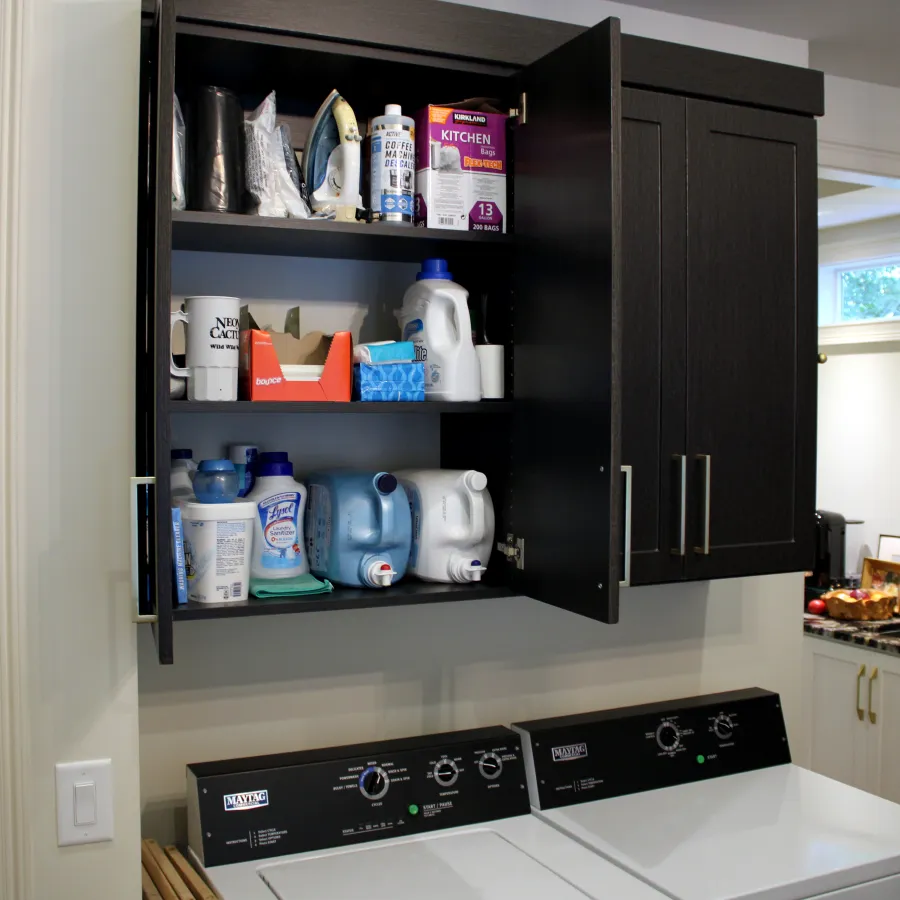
<point>353,408</point>
<point>406,594</point>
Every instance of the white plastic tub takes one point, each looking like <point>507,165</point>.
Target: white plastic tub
<point>218,545</point>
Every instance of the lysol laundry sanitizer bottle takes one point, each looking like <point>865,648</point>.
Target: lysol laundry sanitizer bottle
<point>278,547</point>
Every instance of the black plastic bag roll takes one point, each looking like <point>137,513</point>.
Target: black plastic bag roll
<point>216,149</point>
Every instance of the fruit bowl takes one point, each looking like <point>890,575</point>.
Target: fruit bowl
<point>860,605</point>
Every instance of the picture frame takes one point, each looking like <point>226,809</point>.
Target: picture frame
<point>881,575</point>
<point>889,547</point>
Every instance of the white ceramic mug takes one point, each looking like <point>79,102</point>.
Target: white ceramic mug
<point>212,347</point>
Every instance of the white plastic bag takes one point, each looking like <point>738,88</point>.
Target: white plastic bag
<point>178,156</point>
<point>268,180</point>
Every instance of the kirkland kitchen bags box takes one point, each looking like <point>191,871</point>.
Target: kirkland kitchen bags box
<point>461,168</point>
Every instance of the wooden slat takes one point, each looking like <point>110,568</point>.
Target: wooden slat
<point>200,888</point>
<point>163,872</point>
<point>148,888</point>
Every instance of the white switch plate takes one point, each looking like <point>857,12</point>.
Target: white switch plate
<point>96,772</point>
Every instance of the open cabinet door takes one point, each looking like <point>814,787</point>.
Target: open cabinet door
<point>154,556</point>
<point>568,497</point>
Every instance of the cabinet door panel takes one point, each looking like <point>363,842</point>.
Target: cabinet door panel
<point>153,293</point>
<point>884,733</point>
<point>751,340</point>
<point>566,484</point>
<point>653,318</point>
<point>837,736</point>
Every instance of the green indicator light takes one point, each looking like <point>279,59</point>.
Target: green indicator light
<point>413,809</point>
<point>701,759</point>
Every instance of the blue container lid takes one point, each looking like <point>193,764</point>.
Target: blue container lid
<point>273,463</point>
<point>182,454</point>
<point>434,268</point>
<point>216,465</point>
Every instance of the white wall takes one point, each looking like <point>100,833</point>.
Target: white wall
<point>860,131</point>
<point>859,432</point>
<point>249,686</point>
<point>75,425</point>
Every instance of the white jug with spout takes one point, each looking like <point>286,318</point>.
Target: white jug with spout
<point>435,317</point>
<point>453,524</point>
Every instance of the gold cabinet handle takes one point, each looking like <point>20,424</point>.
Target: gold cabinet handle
<point>822,358</point>
<point>873,717</point>
<point>860,712</point>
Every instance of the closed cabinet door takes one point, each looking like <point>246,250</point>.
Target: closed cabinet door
<point>653,347</point>
<point>836,694</point>
<point>751,340</point>
<point>883,726</point>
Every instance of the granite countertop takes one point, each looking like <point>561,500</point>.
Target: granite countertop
<point>861,634</point>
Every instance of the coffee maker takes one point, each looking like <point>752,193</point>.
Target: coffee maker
<point>830,566</point>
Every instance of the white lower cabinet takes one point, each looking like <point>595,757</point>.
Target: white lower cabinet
<point>852,715</point>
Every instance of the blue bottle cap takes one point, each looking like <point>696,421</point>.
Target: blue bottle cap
<point>273,463</point>
<point>182,454</point>
<point>216,465</point>
<point>434,268</point>
<point>385,483</point>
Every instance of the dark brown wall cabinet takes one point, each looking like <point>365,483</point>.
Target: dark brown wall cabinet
<point>655,291</point>
<point>718,337</point>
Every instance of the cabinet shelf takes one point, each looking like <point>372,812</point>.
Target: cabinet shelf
<point>243,407</point>
<point>231,233</point>
<point>404,594</point>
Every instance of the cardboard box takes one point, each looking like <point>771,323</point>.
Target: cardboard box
<point>264,352</point>
<point>461,167</point>
<point>389,381</point>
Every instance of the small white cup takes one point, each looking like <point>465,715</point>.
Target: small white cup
<point>490,358</point>
<point>212,347</point>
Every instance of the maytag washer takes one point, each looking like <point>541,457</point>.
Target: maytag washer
<point>443,817</point>
<point>699,799</point>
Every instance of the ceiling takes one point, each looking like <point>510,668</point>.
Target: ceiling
<point>843,203</point>
<point>855,39</point>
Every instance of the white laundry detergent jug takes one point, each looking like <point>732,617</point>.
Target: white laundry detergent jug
<point>453,523</point>
<point>435,317</point>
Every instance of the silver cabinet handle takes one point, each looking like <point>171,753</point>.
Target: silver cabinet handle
<point>135,567</point>
<point>707,481</point>
<point>682,514</point>
<point>626,580</point>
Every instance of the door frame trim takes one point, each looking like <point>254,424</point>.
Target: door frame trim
<point>15,855</point>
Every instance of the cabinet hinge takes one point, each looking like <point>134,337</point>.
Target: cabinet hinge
<point>513,550</point>
<point>520,112</point>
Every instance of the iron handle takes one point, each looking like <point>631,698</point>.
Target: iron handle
<point>682,515</point>
<point>860,712</point>
<point>706,459</point>
<point>626,581</point>
<point>873,717</point>
<point>135,566</point>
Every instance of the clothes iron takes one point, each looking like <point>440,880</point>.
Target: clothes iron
<point>331,159</point>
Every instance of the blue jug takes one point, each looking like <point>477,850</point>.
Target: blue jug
<point>358,528</point>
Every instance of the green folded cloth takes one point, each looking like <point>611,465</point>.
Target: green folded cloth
<point>280,587</point>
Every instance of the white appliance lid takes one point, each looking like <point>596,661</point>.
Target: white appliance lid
<point>781,833</point>
<point>478,865</point>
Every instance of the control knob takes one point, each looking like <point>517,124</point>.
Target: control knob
<point>446,772</point>
<point>490,765</point>
<point>374,783</point>
<point>668,736</point>
<point>723,728</point>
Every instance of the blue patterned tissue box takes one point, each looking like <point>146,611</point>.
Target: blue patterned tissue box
<point>389,381</point>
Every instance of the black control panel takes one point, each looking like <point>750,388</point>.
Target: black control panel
<point>575,759</point>
<point>249,809</point>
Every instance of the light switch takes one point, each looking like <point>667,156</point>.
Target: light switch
<point>84,802</point>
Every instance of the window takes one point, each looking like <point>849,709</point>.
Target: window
<point>870,293</point>
<point>859,292</point>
